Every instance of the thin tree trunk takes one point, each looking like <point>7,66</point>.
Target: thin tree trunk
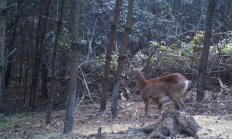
<point>8,71</point>
<point>26,76</point>
<point>121,60</point>
<point>9,60</point>
<point>44,70</point>
<point>205,50</point>
<point>38,55</point>
<point>229,16</point>
<point>90,50</point>
<point>3,15</point>
<point>75,46</point>
<point>53,80</point>
<point>20,72</point>
<point>35,65</point>
<point>114,25</point>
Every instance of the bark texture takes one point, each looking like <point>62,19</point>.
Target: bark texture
<point>108,54</point>
<point>75,46</point>
<point>172,124</point>
<point>121,60</point>
<point>3,15</point>
<point>205,51</point>
<point>53,80</point>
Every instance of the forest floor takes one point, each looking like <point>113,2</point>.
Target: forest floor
<point>214,115</point>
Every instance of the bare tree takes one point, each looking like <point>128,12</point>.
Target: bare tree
<point>75,46</point>
<point>121,59</point>
<point>42,28</point>
<point>205,50</point>
<point>3,15</point>
<point>114,25</point>
<point>53,80</point>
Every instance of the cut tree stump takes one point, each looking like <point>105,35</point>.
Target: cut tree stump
<point>170,125</point>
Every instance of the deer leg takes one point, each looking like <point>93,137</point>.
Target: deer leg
<point>145,114</point>
<point>178,104</point>
<point>176,107</point>
<point>182,105</point>
<point>160,111</point>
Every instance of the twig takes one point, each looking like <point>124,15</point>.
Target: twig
<point>86,85</point>
<point>11,53</point>
<point>7,8</point>
<point>223,87</point>
<point>90,51</point>
<point>135,112</point>
<point>107,17</point>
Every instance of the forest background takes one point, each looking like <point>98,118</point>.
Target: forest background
<point>166,37</point>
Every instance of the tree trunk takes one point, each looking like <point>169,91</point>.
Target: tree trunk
<point>44,71</point>
<point>122,56</point>
<point>53,80</point>
<point>114,25</point>
<point>75,46</point>
<point>3,15</point>
<point>8,71</point>
<point>26,76</point>
<point>36,58</point>
<point>42,27</point>
<point>205,50</point>
<point>10,59</point>
<point>19,78</point>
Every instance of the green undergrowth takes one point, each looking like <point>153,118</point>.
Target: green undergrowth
<point>52,136</point>
<point>12,121</point>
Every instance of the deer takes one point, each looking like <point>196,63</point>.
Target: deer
<point>161,90</point>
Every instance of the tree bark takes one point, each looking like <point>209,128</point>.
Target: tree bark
<point>121,59</point>
<point>53,80</point>
<point>44,71</point>
<point>205,51</point>
<point>172,124</point>
<point>38,54</point>
<point>8,71</point>
<point>26,75</point>
<point>3,15</point>
<point>114,25</point>
<point>75,47</point>
<point>9,60</point>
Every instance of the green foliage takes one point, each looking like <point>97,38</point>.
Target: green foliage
<point>225,46</point>
<point>198,39</point>
<point>12,121</point>
<point>54,136</point>
<point>114,61</point>
<point>178,55</point>
<point>65,38</point>
<point>83,42</point>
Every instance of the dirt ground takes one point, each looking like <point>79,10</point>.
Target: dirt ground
<point>214,115</point>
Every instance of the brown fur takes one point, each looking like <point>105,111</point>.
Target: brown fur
<point>160,90</point>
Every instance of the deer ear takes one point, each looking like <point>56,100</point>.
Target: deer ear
<point>141,69</point>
